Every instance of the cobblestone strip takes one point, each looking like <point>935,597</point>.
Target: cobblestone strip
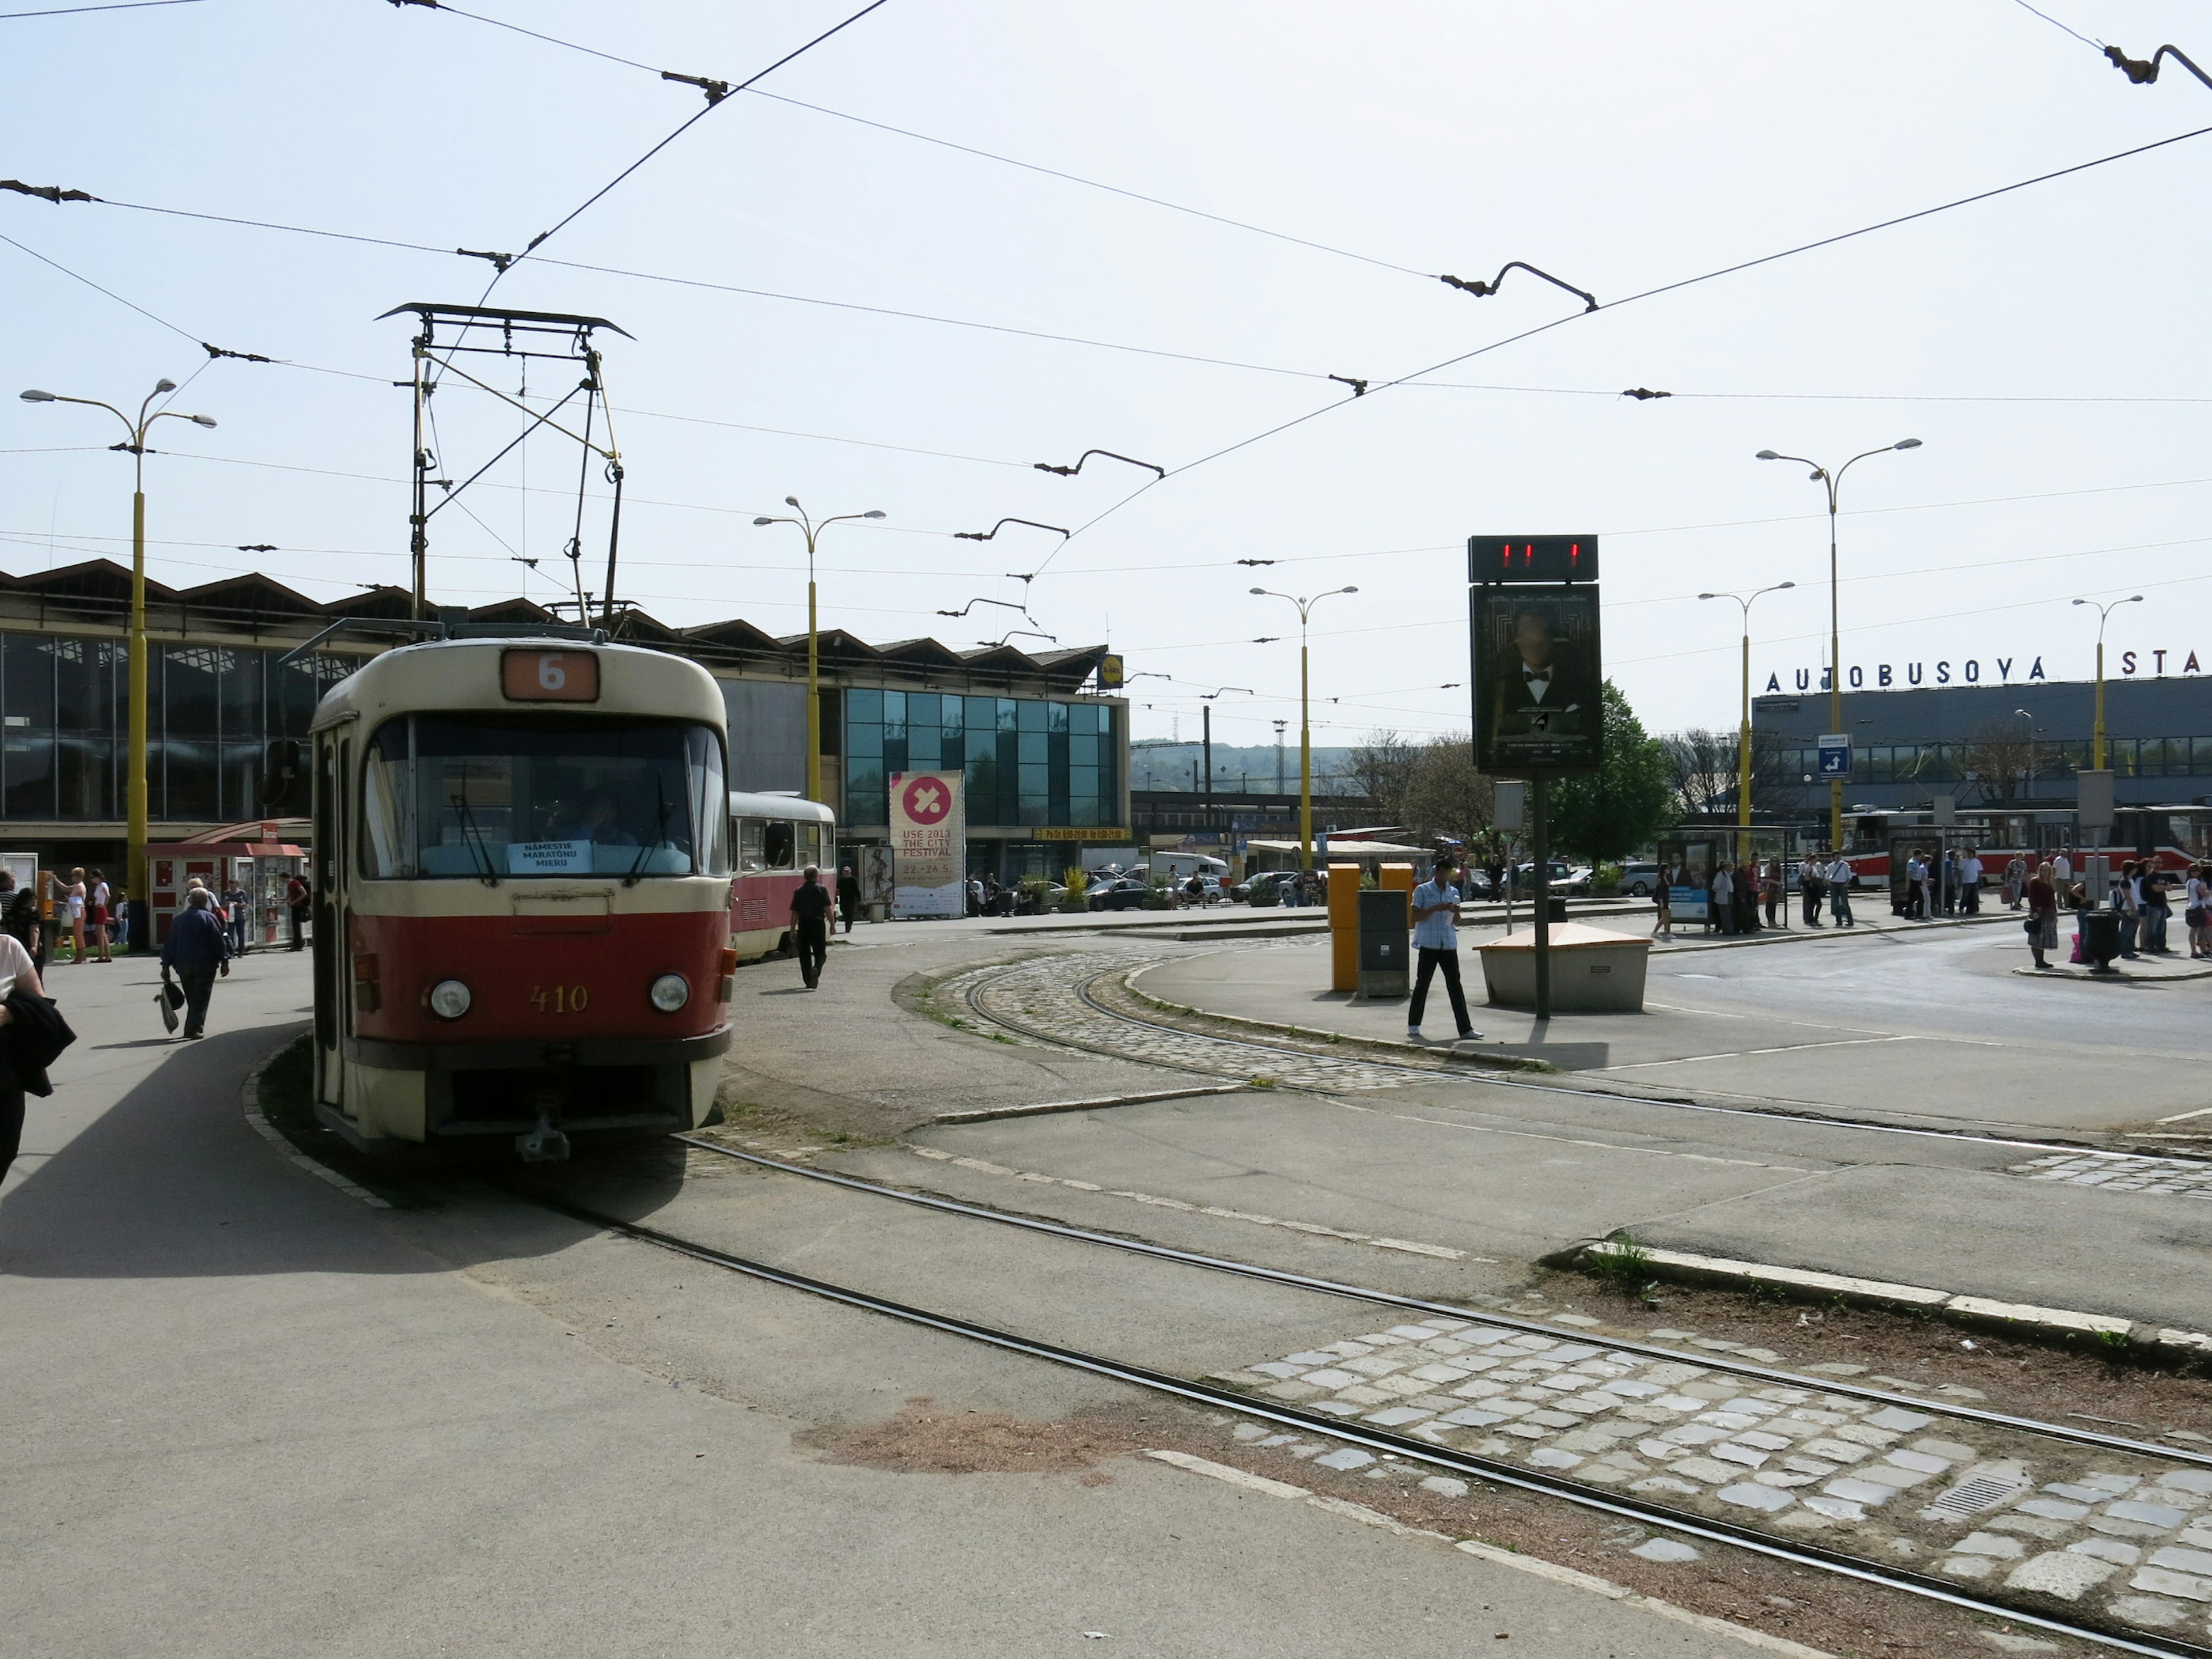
<point>2123,1172</point>
<point>1442,1252</point>
<point>1044,996</point>
<point>2124,1535</point>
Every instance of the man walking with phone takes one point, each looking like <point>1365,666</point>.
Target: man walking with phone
<point>1436,937</point>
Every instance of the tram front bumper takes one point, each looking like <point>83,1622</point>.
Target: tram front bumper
<point>659,1084</point>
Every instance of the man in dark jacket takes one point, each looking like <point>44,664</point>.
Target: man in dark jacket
<point>849,896</point>
<point>197,949</point>
<point>809,926</point>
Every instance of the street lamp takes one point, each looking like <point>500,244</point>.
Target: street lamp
<point>2028,793</point>
<point>2097,757</point>
<point>1305,720</point>
<point>135,779</point>
<point>1833,481</point>
<point>1743,731</point>
<point>812,531</point>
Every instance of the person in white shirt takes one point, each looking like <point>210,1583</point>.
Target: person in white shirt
<point>17,973</point>
<point>1436,938</point>
<point>1719,914</point>
<point>1840,875</point>
<point>2196,912</point>
<point>2062,870</point>
<point>1970,884</point>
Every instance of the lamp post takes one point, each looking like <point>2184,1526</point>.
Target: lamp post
<point>1743,730</point>
<point>134,781</point>
<point>2104,610</point>
<point>1305,718</point>
<point>2028,791</point>
<point>1833,482</point>
<point>812,531</point>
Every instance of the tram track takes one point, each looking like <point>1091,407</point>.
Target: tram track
<point>1317,1053</point>
<point>1383,1441</point>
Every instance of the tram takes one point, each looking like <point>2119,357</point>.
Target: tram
<point>776,837</point>
<point>2172,838</point>
<point>522,888</point>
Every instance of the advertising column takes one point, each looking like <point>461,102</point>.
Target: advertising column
<point>929,845</point>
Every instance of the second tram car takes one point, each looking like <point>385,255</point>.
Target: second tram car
<point>776,837</point>
<point>522,890</point>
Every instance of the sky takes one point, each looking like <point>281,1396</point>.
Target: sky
<point>2045,344</point>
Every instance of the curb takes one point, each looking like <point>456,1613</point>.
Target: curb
<point>1786,935</point>
<point>2065,971</point>
<point>1390,1045</point>
<point>990,1113</point>
<point>2008,1318</point>
<point>249,1100</point>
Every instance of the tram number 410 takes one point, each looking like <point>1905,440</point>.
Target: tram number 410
<point>560,998</point>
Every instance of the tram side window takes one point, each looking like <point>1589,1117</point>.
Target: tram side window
<point>777,844</point>
<point>809,845</point>
<point>494,796</point>
<point>751,858</point>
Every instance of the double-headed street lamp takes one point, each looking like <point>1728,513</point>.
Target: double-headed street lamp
<point>1743,731</point>
<point>2028,793</point>
<point>2104,610</point>
<point>1832,481</point>
<point>1305,718</point>
<point>812,531</point>
<point>135,780</point>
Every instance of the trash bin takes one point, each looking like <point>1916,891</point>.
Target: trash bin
<point>2100,937</point>
<point>1385,927</point>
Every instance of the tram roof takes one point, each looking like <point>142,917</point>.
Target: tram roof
<point>464,674</point>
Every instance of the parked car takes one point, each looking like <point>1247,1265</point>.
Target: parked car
<point>1116,893</point>
<point>1476,884</point>
<point>1565,877</point>
<point>1267,882</point>
<point>1639,879</point>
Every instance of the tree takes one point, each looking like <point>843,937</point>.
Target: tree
<point>1702,766</point>
<point>1446,796</point>
<point>1605,815</point>
<point>1998,757</point>
<point>1381,769</point>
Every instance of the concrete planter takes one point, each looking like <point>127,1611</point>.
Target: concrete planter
<point>1593,971</point>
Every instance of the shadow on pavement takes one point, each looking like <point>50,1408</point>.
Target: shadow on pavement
<point>171,1182</point>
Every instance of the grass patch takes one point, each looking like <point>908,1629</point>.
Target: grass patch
<point>1624,1266</point>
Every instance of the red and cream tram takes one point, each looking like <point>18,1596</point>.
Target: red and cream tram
<point>776,837</point>
<point>522,890</point>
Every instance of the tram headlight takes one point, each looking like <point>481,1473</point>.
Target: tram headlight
<point>671,992</point>
<point>449,999</point>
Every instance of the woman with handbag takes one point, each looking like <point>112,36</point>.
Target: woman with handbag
<point>2042,923</point>
<point>2197,914</point>
<point>17,972</point>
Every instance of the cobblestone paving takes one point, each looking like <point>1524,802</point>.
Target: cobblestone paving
<point>1044,996</point>
<point>2122,1173</point>
<point>2130,1536</point>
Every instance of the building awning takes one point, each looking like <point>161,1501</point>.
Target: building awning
<point>1338,848</point>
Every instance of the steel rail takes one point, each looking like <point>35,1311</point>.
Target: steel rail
<point>1377,1440</point>
<point>1480,1315</point>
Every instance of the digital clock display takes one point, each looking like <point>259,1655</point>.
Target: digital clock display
<point>1531,559</point>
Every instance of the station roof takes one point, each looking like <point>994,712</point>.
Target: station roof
<point>98,591</point>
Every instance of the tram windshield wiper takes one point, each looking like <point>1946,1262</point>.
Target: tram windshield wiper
<point>472,836</point>
<point>659,828</point>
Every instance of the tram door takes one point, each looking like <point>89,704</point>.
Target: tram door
<point>324,876</point>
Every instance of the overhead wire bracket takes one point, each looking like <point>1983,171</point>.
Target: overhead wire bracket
<point>1482,290</point>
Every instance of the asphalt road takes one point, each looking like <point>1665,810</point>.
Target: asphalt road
<point>249,1415</point>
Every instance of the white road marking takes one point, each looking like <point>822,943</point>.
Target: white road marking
<point>1443,1252</point>
<point>1741,1053</point>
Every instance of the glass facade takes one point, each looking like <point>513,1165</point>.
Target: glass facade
<point>2055,757</point>
<point>211,712</point>
<point>1026,762</point>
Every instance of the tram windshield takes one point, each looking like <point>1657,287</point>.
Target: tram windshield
<point>494,796</point>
